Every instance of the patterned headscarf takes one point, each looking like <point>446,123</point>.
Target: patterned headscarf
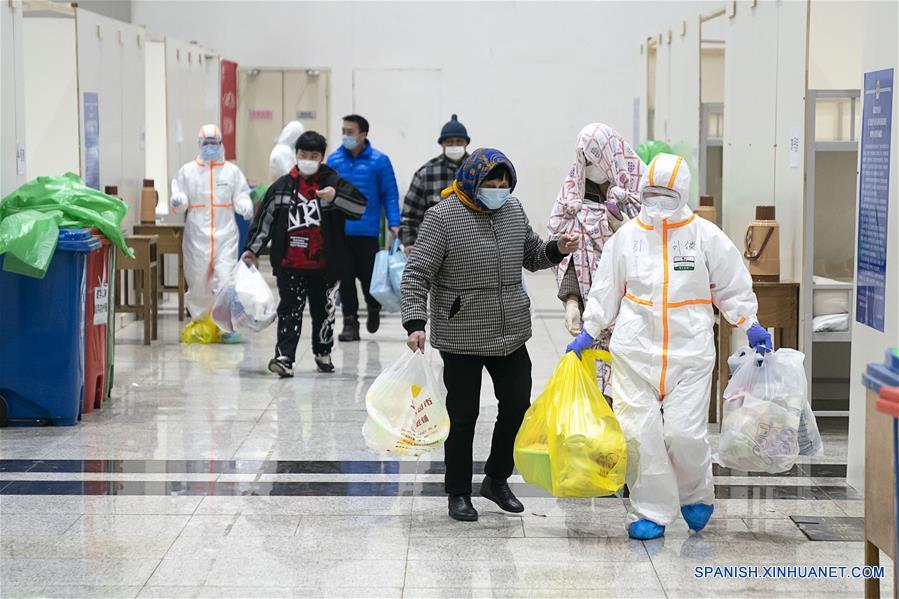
<point>473,171</point>
<point>601,146</point>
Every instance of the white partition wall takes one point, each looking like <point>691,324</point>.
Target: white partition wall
<point>683,98</point>
<point>192,98</point>
<point>50,95</point>
<point>879,51</point>
<point>12,100</point>
<point>155,118</point>
<point>764,99</point>
<point>111,65</point>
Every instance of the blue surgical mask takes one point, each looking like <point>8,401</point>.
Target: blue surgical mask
<point>210,152</point>
<point>350,142</point>
<point>494,197</point>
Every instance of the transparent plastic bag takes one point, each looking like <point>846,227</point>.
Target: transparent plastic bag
<point>245,301</point>
<point>768,420</point>
<point>570,442</point>
<point>406,408</point>
<point>384,285</point>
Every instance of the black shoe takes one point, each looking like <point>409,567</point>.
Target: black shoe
<point>324,364</point>
<point>499,493</point>
<point>460,508</point>
<point>350,329</point>
<point>373,322</point>
<point>281,366</point>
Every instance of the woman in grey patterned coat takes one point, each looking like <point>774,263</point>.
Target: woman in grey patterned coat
<point>467,261</point>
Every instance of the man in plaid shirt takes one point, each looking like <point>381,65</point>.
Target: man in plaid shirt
<point>433,177</point>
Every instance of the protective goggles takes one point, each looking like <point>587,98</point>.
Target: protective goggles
<point>661,197</point>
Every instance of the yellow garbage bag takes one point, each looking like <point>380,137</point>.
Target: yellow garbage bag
<point>570,442</point>
<point>201,331</point>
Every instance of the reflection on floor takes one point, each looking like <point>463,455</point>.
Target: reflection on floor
<point>207,477</point>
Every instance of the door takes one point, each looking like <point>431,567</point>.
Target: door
<point>267,100</point>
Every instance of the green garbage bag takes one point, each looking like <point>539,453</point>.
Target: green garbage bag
<point>28,239</point>
<point>648,150</point>
<point>258,193</point>
<point>27,236</point>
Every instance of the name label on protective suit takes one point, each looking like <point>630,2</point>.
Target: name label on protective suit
<point>684,263</point>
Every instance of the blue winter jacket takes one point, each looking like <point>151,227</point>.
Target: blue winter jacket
<point>372,174</point>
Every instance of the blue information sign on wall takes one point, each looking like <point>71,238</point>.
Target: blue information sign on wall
<point>92,140</point>
<point>874,198</point>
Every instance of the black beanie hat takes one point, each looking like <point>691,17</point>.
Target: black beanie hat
<point>453,128</point>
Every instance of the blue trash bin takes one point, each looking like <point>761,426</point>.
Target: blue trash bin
<point>42,335</point>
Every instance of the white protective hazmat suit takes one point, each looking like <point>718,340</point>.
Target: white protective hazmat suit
<point>211,191</point>
<point>657,280</point>
<point>284,155</point>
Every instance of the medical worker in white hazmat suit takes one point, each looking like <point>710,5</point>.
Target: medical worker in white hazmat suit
<point>657,280</point>
<point>212,191</point>
<point>284,155</point>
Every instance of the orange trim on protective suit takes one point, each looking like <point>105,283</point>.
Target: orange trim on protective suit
<point>212,215</point>
<point>637,300</point>
<point>664,309</point>
<point>693,302</point>
<point>680,224</point>
<point>738,323</point>
<point>652,170</point>
<point>674,172</point>
<point>643,225</point>
<point>196,206</point>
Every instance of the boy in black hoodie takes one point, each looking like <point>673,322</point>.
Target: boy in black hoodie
<point>303,215</point>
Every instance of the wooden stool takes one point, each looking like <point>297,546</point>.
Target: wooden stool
<point>145,266</point>
<point>170,242</point>
<point>778,310</point>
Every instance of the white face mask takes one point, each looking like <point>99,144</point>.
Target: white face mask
<point>454,153</point>
<point>308,167</point>
<point>660,202</point>
<point>595,174</point>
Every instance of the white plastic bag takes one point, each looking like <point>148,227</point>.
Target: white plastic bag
<point>245,301</point>
<point>406,408</point>
<point>768,421</point>
<point>387,273</point>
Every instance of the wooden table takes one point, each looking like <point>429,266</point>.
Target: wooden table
<point>170,242</point>
<point>144,265</point>
<point>778,310</point>
<point>880,491</point>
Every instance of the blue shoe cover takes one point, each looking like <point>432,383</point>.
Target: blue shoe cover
<point>645,530</point>
<point>230,338</point>
<point>697,515</point>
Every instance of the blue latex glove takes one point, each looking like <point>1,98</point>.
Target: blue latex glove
<point>759,339</point>
<point>581,342</point>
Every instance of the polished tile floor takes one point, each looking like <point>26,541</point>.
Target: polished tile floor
<point>205,476</point>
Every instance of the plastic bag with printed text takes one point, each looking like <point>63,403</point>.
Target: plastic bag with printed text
<point>768,420</point>
<point>570,442</point>
<point>406,408</point>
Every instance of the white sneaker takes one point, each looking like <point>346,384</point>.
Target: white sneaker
<point>281,366</point>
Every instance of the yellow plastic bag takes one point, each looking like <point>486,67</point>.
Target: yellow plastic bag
<point>201,331</point>
<point>570,442</point>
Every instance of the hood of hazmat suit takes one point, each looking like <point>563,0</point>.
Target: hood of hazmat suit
<point>658,280</point>
<point>284,155</point>
<point>213,191</point>
<point>601,149</point>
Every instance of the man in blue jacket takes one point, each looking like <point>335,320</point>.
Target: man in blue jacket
<point>370,171</point>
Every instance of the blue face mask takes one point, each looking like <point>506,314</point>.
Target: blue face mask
<point>494,198</point>
<point>350,142</point>
<point>210,152</point>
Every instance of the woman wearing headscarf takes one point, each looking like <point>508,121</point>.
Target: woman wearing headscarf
<point>599,194</point>
<point>467,261</point>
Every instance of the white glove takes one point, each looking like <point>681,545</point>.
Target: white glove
<point>178,201</point>
<point>573,321</point>
<point>244,207</point>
